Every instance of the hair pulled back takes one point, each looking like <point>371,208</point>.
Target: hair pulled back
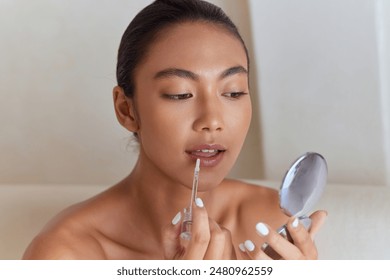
<point>146,25</point>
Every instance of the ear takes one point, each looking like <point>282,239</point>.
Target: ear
<point>124,110</point>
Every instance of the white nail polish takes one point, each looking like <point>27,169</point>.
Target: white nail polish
<point>176,219</point>
<point>295,223</point>
<point>199,202</point>
<point>262,229</point>
<point>242,247</point>
<point>249,245</point>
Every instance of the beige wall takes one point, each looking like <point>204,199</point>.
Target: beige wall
<point>317,84</point>
<point>57,72</point>
<point>323,76</point>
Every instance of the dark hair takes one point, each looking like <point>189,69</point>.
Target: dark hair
<point>147,24</point>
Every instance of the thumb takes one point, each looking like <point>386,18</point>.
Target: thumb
<point>318,219</point>
<point>171,239</point>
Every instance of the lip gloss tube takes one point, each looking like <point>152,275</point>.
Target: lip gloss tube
<point>187,220</point>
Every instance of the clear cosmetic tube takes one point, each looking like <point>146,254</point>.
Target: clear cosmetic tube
<point>187,221</point>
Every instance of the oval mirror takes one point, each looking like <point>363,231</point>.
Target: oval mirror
<point>303,184</point>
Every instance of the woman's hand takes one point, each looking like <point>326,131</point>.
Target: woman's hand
<point>302,248</point>
<point>208,241</point>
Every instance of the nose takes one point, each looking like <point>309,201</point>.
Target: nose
<point>210,116</point>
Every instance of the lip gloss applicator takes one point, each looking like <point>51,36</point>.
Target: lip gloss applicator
<point>187,221</point>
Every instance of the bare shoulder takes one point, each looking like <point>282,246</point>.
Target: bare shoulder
<point>74,233</point>
<point>250,193</point>
<point>67,236</point>
<point>62,246</point>
<point>254,203</point>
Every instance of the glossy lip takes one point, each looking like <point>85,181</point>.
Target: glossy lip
<point>207,160</point>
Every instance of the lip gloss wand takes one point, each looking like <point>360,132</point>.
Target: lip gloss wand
<point>187,221</point>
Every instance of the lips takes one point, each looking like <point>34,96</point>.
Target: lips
<point>206,153</point>
<point>209,155</point>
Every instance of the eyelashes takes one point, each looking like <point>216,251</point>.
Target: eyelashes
<point>184,96</point>
<point>181,96</point>
<point>235,94</point>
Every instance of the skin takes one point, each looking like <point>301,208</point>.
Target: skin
<point>172,113</point>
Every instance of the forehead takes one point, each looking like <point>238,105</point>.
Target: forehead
<point>196,46</point>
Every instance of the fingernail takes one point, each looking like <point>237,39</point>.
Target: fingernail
<point>295,223</point>
<point>249,245</point>
<point>199,202</point>
<point>262,229</point>
<point>176,219</point>
<point>242,247</point>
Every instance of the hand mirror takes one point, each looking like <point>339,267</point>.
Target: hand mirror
<point>301,189</point>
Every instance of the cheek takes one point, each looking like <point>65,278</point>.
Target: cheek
<point>248,116</point>
<point>239,122</point>
<point>162,128</point>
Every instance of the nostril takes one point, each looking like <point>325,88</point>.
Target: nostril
<point>212,129</point>
<point>212,125</point>
<point>209,120</point>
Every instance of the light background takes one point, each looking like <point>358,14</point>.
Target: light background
<point>320,82</point>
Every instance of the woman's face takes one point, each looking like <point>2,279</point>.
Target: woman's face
<point>192,101</point>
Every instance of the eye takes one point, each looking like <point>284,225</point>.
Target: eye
<point>181,96</point>
<point>235,94</point>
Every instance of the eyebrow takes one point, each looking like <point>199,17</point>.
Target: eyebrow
<point>182,73</point>
<point>233,70</point>
<point>176,72</point>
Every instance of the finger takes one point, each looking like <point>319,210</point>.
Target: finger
<point>279,244</point>
<point>302,239</point>
<point>243,254</point>
<point>229,253</point>
<point>171,242</point>
<point>318,219</point>
<point>221,244</point>
<point>200,232</point>
<point>216,247</point>
<point>254,252</point>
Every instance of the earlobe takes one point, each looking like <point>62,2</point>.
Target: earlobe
<point>124,110</point>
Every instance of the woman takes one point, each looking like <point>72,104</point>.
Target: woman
<point>183,91</point>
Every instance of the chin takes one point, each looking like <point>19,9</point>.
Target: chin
<point>209,183</point>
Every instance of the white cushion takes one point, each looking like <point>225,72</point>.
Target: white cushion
<point>357,228</point>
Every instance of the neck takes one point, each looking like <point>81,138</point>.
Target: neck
<point>158,197</point>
